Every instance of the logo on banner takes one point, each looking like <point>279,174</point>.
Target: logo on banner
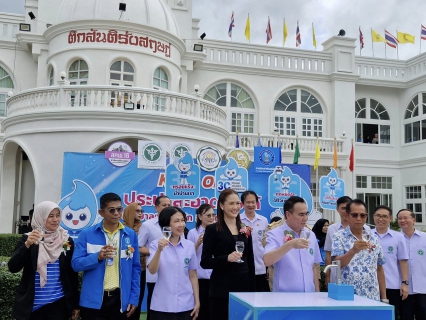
<point>266,157</point>
<point>231,176</point>
<point>241,157</point>
<point>209,158</point>
<point>119,154</point>
<point>151,155</point>
<point>183,178</point>
<point>79,208</point>
<point>179,150</point>
<point>331,188</point>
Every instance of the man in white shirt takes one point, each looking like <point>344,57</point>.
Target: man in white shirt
<point>332,229</point>
<point>258,223</point>
<point>149,232</point>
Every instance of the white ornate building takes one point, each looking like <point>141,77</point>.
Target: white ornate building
<point>145,56</point>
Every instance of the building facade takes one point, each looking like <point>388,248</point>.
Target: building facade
<point>88,75</point>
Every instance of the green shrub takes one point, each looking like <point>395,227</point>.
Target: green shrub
<point>8,242</point>
<point>8,284</point>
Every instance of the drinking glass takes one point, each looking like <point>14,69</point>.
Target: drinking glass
<point>113,243</point>
<point>239,247</point>
<point>365,235</point>
<point>167,233</point>
<point>41,231</point>
<point>305,234</point>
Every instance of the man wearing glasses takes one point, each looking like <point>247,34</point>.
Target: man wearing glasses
<point>361,260</point>
<point>395,251</point>
<point>106,254</point>
<point>415,304</point>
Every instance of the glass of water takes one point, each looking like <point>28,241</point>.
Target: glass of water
<point>365,235</point>
<point>239,247</point>
<point>167,233</point>
<point>113,243</point>
<point>41,231</point>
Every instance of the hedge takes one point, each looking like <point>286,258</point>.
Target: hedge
<point>8,285</point>
<point>8,242</point>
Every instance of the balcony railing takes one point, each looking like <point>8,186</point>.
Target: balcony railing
<point>258,56</point>
<point>288,143</point>
<point>102,98</point>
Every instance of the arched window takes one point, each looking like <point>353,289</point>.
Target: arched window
<point>6,84</point>
<point>372,122</point>
<point>51,77</point>
<point>415,119</point>
<point>309,122</point>
<point>78,74</point>
<point>122,74</point>
<point>238,104</point>
<point>161,80</point>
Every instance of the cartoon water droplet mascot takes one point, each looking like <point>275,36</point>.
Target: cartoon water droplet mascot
<point>184,166</point>
<point>332,182</point>
<point>230,172</point>
<point>79,208</point>
<point>285,179</point>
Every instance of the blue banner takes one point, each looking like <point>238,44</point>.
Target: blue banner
<point>331,188</point>
<point>87,176</point>
<point>266,159</point>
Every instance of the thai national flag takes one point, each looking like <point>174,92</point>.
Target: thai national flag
<point>268,32</point>
<point>361,39</point>
<point>391,41</point>
<point>231,25</point>
<point>298,37</point>
<point>423,33</point>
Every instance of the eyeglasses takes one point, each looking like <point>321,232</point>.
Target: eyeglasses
<point>139,211</point>
<point>380,217</point>
<point>356,215</point>
<point>113,210</point>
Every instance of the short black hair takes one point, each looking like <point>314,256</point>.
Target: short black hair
<point>355,201</point>
<point>158,199</point>
<point>167,213</point>
<point>411,213</point>
<point>108,197</point>
<point>246,193</point>
<point>385,208</point>
<point>290,202</point>
<point>275,219</point>
<point>344,199</point>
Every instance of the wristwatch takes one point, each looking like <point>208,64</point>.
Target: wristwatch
<point>405,282</point>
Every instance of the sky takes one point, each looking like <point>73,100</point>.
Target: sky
<point>328,17</point>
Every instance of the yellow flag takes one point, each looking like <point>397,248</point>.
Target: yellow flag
<point>247,31</point>
<point>317,155</point>
<point>285,32</point>
<point>314,40</point>
<point>404,37</point>
<point>377,37</point>
<point>335,155</point>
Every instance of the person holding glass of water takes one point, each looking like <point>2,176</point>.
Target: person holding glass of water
<point>293,250</point>
<point>174,259</point>
<point>220,254</point>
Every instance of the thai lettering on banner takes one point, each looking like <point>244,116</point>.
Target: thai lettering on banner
<point>126,38</point>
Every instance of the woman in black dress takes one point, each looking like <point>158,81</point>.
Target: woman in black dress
<point>220,255</point>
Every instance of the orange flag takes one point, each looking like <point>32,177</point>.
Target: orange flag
<point>352,159</point>
<point>335,155</point>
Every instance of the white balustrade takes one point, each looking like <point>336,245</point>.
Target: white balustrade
<point>287,143</point>
<point>113,98</point>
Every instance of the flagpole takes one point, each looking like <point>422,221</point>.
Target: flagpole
<point>317,180</point>
<point>385,43</point>
<point>284,33</point>
<point>353,175</point>
<point>248,15</point>
<point>359,38</point>
<point>372,45</point>
<point>420,51</point>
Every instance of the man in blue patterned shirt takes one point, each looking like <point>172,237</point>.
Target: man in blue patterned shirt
<point>361,260</point>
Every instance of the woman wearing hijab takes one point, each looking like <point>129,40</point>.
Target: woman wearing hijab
<point>132,217</point>
<point>320,229</point>
<point>49,286</point>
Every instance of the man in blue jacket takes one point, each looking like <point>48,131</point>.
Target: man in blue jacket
<point>108,255</point>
